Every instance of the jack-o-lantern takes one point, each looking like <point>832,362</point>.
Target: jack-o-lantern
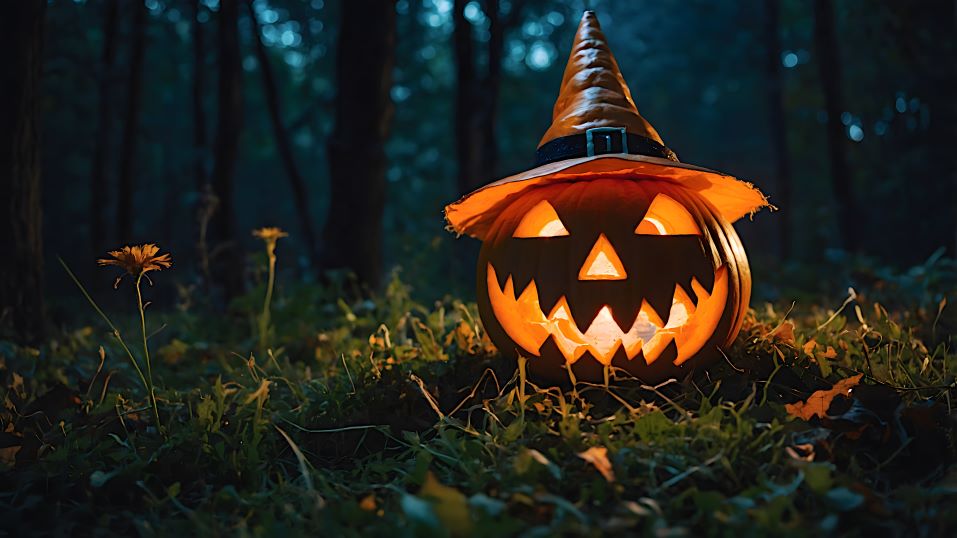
<point>610,255</point>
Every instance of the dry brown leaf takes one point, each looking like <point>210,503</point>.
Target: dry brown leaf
<point>368,503</point>
<point>450,506</point>
<point>809,348</point>
<point>784,332</point>
<point>830,353</point>
<point>598,457</point>
<point>8,455</point>
<point>463,336</point>
<point>817,404</point>
<point>802,452</point>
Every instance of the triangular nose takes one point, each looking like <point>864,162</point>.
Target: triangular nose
<point>602,263</point>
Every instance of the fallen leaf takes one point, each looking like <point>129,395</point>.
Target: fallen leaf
<point>809,348</point>
<point>801,452</point>
<point>173,352</point>
<point>463,336</point>
<point>830,353</point>
<point>784,332</point>
<point>449,505</point>
<point>368,503</point>
<point>10,444</point>
<point>817,404</point>
<point>598,456</point>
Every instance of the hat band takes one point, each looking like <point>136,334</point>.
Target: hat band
<point>600,141</point>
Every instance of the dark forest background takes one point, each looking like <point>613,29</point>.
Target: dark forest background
<point>351,124</point>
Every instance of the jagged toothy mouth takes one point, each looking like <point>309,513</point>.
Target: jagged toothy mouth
<point>690,323</point>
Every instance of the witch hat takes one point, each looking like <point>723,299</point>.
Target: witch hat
<point>597,132</point>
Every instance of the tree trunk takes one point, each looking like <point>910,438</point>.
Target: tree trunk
<point>125,177</point>
<point>477,94</point>
<point>829,69</point>
<point>21,262</point>
<point>199,92</point>
<point>468,146</point>
<point>778,123</point>
<point>228,262</point>
<point>493,82</point>
<point>364,62</point>
<point>283,144</point>
<point>99,197</point>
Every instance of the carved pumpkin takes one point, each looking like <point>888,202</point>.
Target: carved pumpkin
<point>610,254</point>
<point>642,276</point>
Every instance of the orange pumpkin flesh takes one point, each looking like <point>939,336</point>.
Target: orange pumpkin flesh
<point>612,275</point>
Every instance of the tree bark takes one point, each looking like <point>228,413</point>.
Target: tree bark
<point>199,92</point>
<point>283,144</point>
<point>21,262</point>
<point>477,94</point>
<point>134,96</point>
<point>468,147</point>
<point>778,123</point>
<point>829,70</point>
<point>99,192</point>
<point>228,262</point>
<point>364,61</point>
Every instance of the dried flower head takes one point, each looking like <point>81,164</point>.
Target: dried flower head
<point>270,235</point>
<point>138,260</point>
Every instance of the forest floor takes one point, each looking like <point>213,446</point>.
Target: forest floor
<point>349,417</point>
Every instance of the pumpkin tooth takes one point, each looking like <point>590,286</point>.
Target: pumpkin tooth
<point>500,278</point>
<point>682,308</point>
<point>521,280</point>
<point>660,300</point>
<point>633,348</point>
<point>509,289</point>
<point>708,315</point>
<point>604,336</point>
<point>652,349</point>
<point>551,287</point>
<point>650,313</point>
<point>647,323</point>
<point>585,304</point>
<point>624,317</point>
<point>560,310</point>
<point>530,295</point>
<point>700,292</point>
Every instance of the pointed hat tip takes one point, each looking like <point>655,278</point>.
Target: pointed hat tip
<point>589,21</point>
<point>593,92</point>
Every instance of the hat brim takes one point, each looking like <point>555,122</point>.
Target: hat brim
<point>475,212</point>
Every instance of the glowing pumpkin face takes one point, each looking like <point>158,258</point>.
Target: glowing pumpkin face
<point>596,275</point>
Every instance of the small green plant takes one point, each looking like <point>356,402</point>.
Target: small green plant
<point>136,261</point>
<point>270,237</point>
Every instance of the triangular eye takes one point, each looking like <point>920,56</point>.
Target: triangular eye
<point>667,217</point>
<point>540,221</point>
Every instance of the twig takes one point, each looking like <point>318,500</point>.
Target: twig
<point>428,397</point>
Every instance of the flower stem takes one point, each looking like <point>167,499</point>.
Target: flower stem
<point>264,318</point>
<point>109,322</point>
<point>146,353</point>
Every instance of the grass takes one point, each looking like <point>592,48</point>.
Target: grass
<point>387,417</point>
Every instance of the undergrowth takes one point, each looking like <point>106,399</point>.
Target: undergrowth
<point>383,416</point>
